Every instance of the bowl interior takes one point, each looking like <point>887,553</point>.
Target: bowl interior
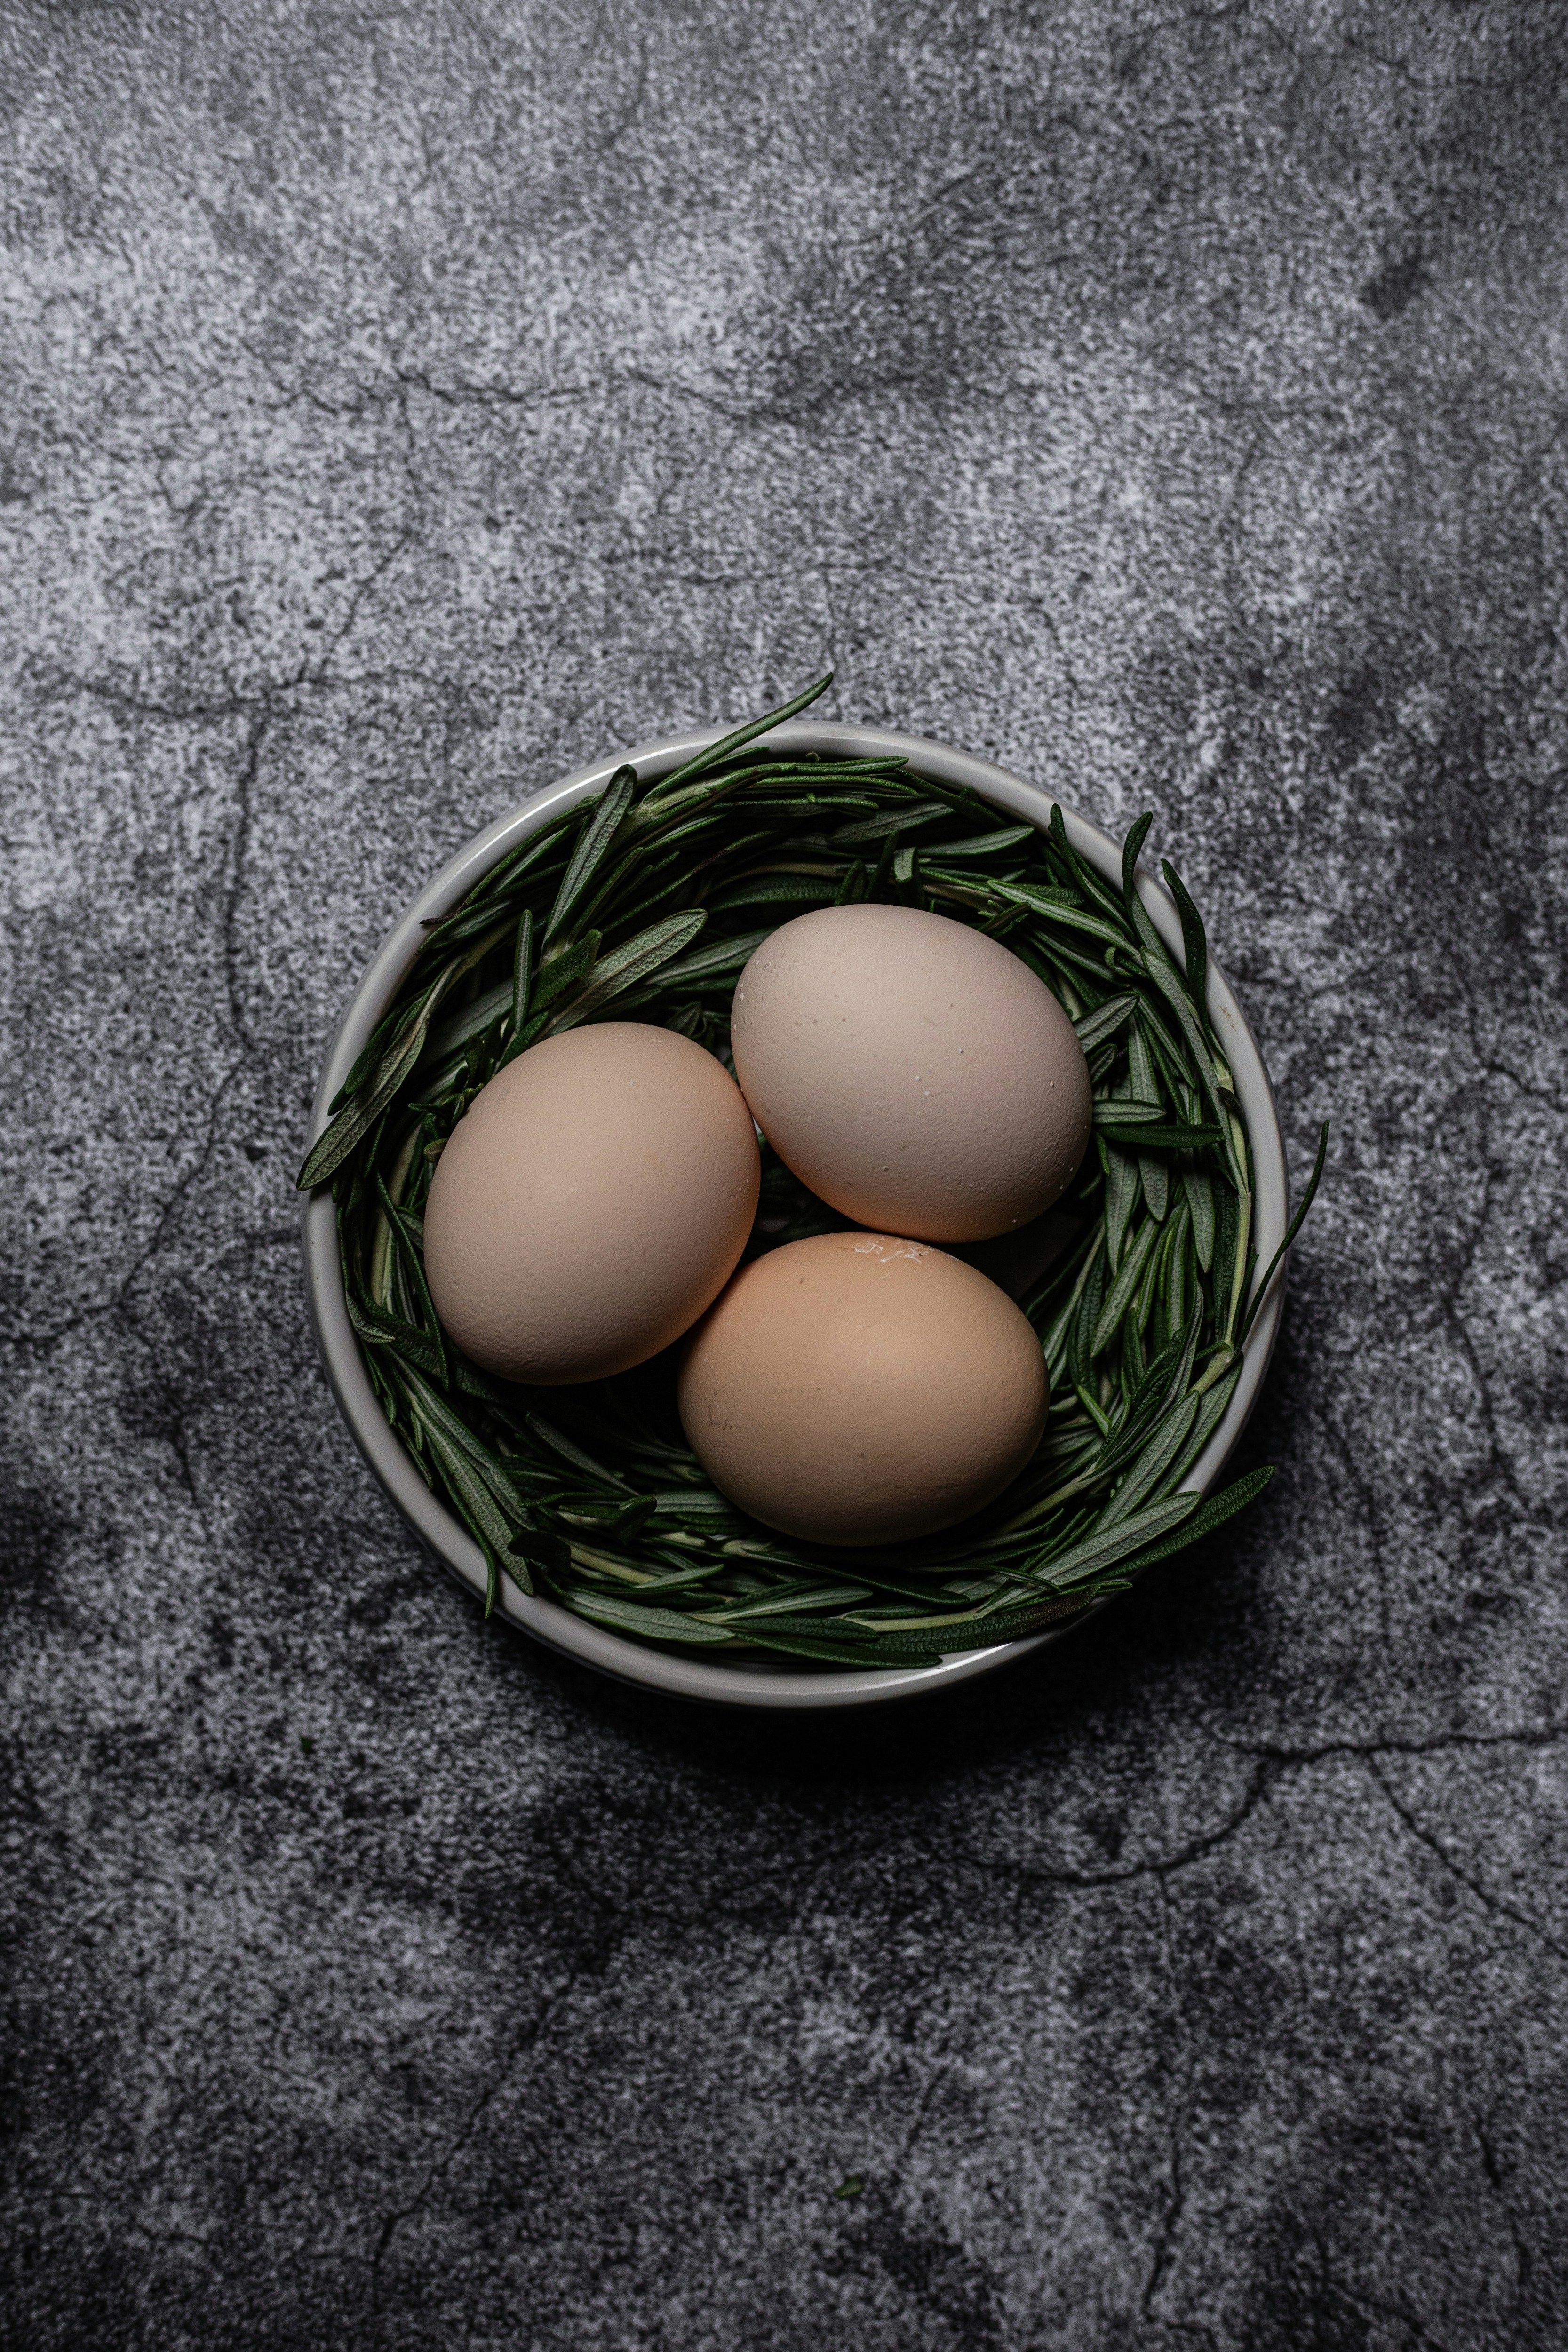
<point>544,1619</point>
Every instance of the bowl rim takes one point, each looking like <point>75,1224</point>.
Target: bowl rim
<point>558,1628</point>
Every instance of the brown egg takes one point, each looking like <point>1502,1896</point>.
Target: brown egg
<point>857,1389</point>
<point>916,1074</point>
<point>593,1200</point>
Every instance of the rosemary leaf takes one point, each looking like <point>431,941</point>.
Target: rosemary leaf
<point>540,849</point>
<point>1294,1227</point>
<point>379,1329</point>
<point>715,752</point>
<point>1126,1110</point>
<point>1143,1085</point>
<point>1176,1268</point>
<point>1113,1543</point>
<point>1054,908</point>
<point>1194,940</point>
<point>1129,1123</point>
<point>1172,987</point>
<point>357,1121</point>
<point>1151,1464</point>
<point>364,1066</point>
<point>790,1601</point>
<point>1121,1193</point>
<point>1129,1274</point>
<point>1098,1027</point>
<point>1083,1345</point>
<point>594,845</point>
<point>984,845</point>
<point>570,1450</point>
<point>558,972</point>
<point>1212,1410</point>
<point>1202,1522</point>
<point>888,827</point>
<point>1130,848</point>
<point>1090,885</point>
<point>1199,1190</point>
<point>624,967</point>
<point>522,969</point>
<point>779,889</point>
<point>682,813</point>
<point>649,1624</point>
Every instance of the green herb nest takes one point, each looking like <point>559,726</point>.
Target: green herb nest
<point>645,903</point>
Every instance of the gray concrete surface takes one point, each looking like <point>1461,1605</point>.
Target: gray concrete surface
<point>402,405</point>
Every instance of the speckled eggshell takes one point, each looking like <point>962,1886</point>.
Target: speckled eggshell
<point>860,1388</point>
<point>593,1200</point>
<point>915,1075</point>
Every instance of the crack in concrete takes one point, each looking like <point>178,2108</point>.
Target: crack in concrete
<point>1387,1743</point>
<point>1193,1850</point>
<point>16,1335</point>
<point>594,1963</point>
<point>1488,1901</point>
<point>1178,2112</point>
<point>240,859</point>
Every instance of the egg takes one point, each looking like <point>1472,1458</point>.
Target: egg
<point>861,1389</point>
<point>593,1200</point>
<point>916,1074</point>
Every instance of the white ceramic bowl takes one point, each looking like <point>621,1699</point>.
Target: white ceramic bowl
<point>737,1685</point>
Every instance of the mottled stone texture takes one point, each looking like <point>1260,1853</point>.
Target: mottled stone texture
<point>402,406</point>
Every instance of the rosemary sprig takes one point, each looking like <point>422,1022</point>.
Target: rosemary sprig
<point>648,900</point>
